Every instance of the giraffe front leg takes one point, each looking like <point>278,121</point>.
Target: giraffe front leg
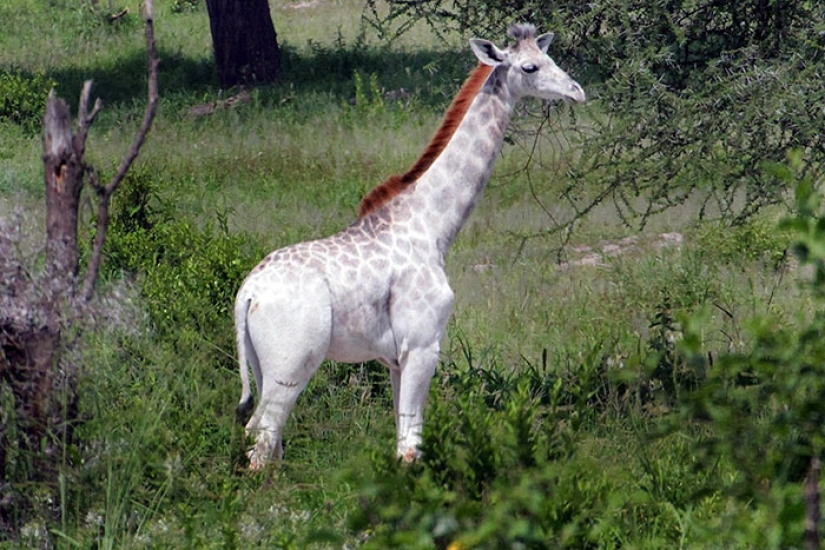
<point>413,387</point>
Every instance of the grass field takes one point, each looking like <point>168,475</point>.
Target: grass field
<point>160,458</point>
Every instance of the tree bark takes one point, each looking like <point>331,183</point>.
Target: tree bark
<point>36,309</point>
<point>63,174</point>
<point>244,42</point>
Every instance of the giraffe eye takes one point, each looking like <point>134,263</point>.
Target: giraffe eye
<point>529,68</point>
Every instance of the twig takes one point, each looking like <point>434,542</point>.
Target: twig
<point>104,193</point>
<point>115,16</point>
<point>84,119</point>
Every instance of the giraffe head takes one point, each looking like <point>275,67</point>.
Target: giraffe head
<point>529,70</point>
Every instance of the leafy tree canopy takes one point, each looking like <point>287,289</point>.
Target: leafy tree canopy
<point>689,97</point>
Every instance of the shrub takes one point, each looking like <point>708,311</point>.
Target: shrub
<point>763,407</point>
<point>23,98</point>
<point>755,240</point>
<point>507,462</point>
<point>473,455</point>
<point>188,274</point>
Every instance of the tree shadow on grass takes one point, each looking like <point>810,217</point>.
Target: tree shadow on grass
<point>124,82</point>
<point>431,76</point>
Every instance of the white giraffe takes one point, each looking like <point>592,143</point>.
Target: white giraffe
<point>378,290</point>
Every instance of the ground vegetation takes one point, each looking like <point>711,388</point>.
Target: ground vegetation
<point>605,386</point>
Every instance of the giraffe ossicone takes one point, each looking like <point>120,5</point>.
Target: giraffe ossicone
<point>377,290</point>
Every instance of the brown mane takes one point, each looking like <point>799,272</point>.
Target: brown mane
<point>455,113</point>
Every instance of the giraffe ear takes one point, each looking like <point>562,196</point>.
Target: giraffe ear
<point>487,52</point>
<point>544,41</point>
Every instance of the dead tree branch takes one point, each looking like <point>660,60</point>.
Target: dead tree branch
<point>36,309</point>
<point>84,118</point>
<point>104,192</point>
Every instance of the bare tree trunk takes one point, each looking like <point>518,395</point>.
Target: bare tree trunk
<point>37,309</point>
<point>63,174</point>
<point>244,42</point>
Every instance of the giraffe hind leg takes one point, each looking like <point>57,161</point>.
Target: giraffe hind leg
<point>276,403</point>
<point>290,342</point>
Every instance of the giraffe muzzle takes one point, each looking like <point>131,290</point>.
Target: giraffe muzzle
<point>576,93</point>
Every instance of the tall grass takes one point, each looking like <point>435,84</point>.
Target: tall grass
<point>160,463</point>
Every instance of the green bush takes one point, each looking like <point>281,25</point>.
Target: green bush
<point>755,240</point>
<point>188,274</point>
<point>764,408</point>
<point>23,98</point>
<point>508,462</point>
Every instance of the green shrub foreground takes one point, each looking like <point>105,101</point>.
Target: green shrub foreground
<point>666,398</point>
<point>588,458</point>
<point>661,448</point>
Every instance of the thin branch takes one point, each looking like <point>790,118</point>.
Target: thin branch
<point>529,179</point>
<point>105,193</point>
<point>151,106</point>
<point>84,119</point>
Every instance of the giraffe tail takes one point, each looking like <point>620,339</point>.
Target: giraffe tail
<point>246,357</point>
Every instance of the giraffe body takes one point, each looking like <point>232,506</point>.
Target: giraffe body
<point>378,290</point>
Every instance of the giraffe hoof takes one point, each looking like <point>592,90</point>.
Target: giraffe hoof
<point>410,456</point>
<point>256,462</point>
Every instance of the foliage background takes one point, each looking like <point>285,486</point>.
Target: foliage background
<point>695,94</point>
<point>622,390</point>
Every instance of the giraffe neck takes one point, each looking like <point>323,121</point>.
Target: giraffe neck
<point>445,195</point>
